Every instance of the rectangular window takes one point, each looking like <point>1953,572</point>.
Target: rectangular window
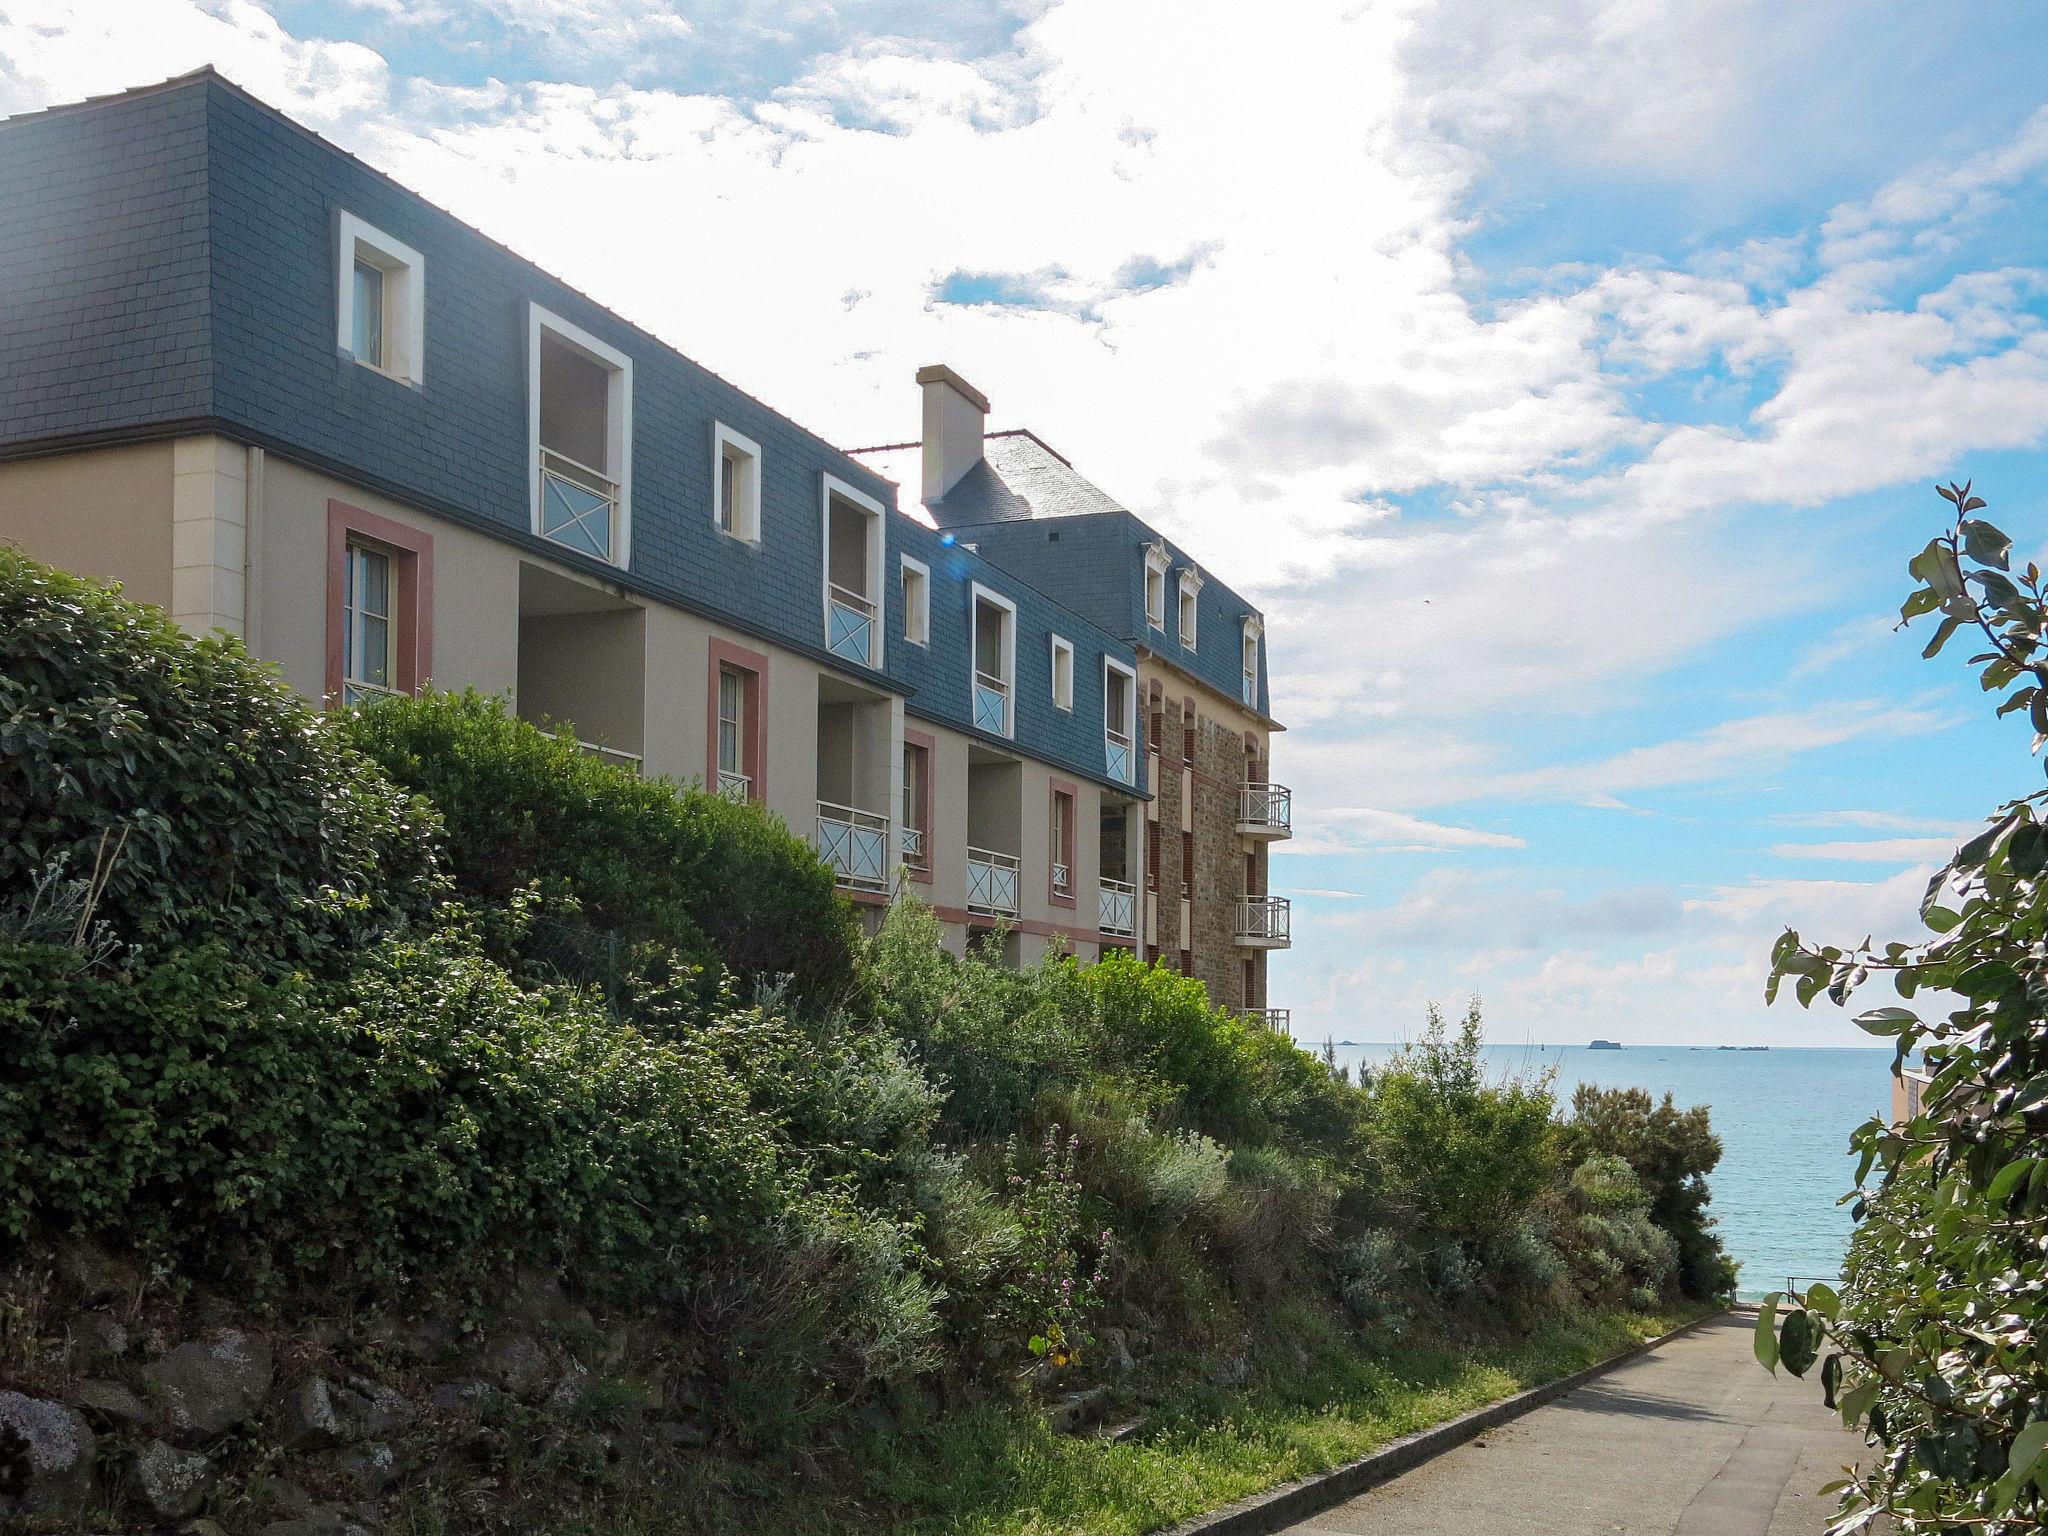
<point>917,799</point>
<point>369,637</point>
<point>1156,741</point>
<point>1187,962</point>
<point>580,413</point>
<point>1152,857</point>
<point>1119,720</point>
<point>380,301</point>
<point>1190,590</point>
<point>736,763</point>
<point>995,663</point>
<point>1251,983</point>
<point>1062,673</point>
<point>736,493</point>
<point>1187,733</point>
<point>1155,587</point>
<point>853,573</point>
<point>917,602</point>
<point>1252,634</point>
<point>1061,828</point>
<point>1187,866</point>
<point>732,722</point>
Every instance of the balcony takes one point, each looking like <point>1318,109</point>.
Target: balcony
<point>736,787</point>
<point>849,624</point>
<point>1116,755</point>
<point>1278,1020</point>
<point>579,505</point>
<point>1265,811</point>
<point>913,849</point>
<point>991,704</point>
<point>630,761</point>
<point>1119,909</point>
<point>855,844</point>
<point>991,883</point>
<point>1263,922</point>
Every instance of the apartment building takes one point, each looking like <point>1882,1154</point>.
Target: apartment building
<point>1200,874</point>
<point>260,383</point>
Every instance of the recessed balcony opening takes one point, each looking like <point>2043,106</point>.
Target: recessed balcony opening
<point>582,664</point>
<point>995,833</point>
<point>582,436</point>
<point>1119,721</point>
<point>1116,844</point>
<point>995,663</point>
<point>853,564</point>
<point>856,778</point>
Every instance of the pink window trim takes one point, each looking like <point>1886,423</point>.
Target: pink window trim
<point>924,802</point>
<point>1059,787</point>
<point>753,727</point>
<point>413,604</point>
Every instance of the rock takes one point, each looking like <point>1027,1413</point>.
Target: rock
<point>207,1389</point>
<point>173,1483</point>
<point>518,1364</point>
<point>1078,1410</point>
<point>466,1394</point>
<point>100,1336</point>
<point>202,1528</point>
<point>46,1455</point>
<point>319,1521</point>
<point>1119,1349</point>
<point>281,1495</point>
<point>370,1468</point>
<point>1118,1434</point>
<point>109,1404</point>
<point>94,1275</point>
<point>569,1390</point>
<point>374,1411</point>
<point>410,1342</point>
<point>683,1434</point>
<point>306,1416</point>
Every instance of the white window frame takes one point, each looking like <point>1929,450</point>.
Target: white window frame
<point>1130,721</point>
<point>1253,643</point>
<point>979,594</point>
<point>618,423</point>
<point>917,601</point>
<point>877,553</point>
<point>1155,581</point>
<point>1062,673</point>
<point>746,510</point>
<point>405,295</point>
<point>1187,613</point>
<point>354,688</point>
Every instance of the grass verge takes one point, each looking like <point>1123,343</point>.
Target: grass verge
<point>1312,1403</point>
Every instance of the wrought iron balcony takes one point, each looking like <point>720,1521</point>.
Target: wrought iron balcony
<point>1119,908</point>
<point>992,883</point>
<point>1265,810</point>
<point>579,506</point>
<point>855,844</point>
<point>1263,922</point>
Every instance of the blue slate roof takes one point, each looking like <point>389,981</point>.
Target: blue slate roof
<point>168,261</point>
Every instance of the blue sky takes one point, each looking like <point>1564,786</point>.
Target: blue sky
<point>1568,383</point>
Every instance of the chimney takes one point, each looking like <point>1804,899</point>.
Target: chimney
<point>955,414</point>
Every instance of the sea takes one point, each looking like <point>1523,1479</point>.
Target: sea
<point>1783,1115</point>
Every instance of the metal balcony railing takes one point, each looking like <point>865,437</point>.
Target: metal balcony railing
<point>849,624</point>
<point>1265,810</point>
<point>735,786</point>
<point>992,882</point>
<point>913,848</point>
<point>1119,908</point>
<point>1116,755</point>
<point>1062,879</point>
<point>632,762</point>
<point>991,704</point>
<point>855,844</point>
<point>579,506</point>
<point>1279,1020</point>
<point>1264,921</point>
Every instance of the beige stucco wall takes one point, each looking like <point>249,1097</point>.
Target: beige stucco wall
<point>101,512</point>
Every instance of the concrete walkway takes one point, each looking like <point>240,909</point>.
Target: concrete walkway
<point>1693,1439</point>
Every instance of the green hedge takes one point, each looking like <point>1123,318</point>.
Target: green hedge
<point>244,816</point>
<point>645,861</point>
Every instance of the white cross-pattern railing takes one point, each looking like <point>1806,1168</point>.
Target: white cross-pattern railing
<point>1279,1020</point>
<point>1119,908</point>
<point>1116,754</point>
<point>855,844</point>
<point>579,506</point>
<point>849,624</point>
<point>1265,808</point>
<point>1264,920</point>
<point>991,704</point>
<point>992,882</point>
<point>1062,879</point>
<point>733,786</point>
<point>913,847</point>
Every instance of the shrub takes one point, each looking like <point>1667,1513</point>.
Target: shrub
<point>212,801</point>
<point>620,859</point>
<point>1374,1278</point>
<point>1671,1151</point>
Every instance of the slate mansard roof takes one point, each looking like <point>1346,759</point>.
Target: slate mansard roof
<point>168,266</point>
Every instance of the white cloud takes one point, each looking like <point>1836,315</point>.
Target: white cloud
<point>1875,821</point>
<point>1886,850</point>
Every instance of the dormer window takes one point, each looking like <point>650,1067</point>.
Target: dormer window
<point>1155,586</point>
<point>736,492</point>
<point>580,413</point>
<point>380,308</point>
<point>853,573</point>
<point>1190,592</point>
<point>1119,719</point>
<point>995,662</point>
<point>1062,673</point>
<point>1254,632</point>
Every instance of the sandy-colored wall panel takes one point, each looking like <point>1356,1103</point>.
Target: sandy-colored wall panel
<point>100,512</point>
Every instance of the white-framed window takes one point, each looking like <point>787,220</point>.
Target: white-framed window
<point>369,627</point>
<point>1155,586</point>
<point>1062,673</point>
<point>1254,631</point>
<point>917,601</point>
<point>736,483</point>
<point>1190,593</point>
<point>732,723</point>
<point>580,429</point>
<point>994,693</point>
<point>1119,720</point>
<point>380,301</point>
<point>854,536</point>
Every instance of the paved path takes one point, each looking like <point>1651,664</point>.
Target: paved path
<point>1693,1439</point>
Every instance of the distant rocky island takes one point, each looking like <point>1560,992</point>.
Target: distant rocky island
<point>1604,1045</point>
<point>1742,1047</point>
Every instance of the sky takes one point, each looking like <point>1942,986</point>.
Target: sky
<point>1567,382</point>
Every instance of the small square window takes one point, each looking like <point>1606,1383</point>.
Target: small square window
<point>917,602</point>
<point>1062,673</point>
<point>736,492</point>
<point>381,302</point>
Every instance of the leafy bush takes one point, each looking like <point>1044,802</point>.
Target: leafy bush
<point>621,860</point>
<point>1671,1151</point>
<point>206,797</point>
